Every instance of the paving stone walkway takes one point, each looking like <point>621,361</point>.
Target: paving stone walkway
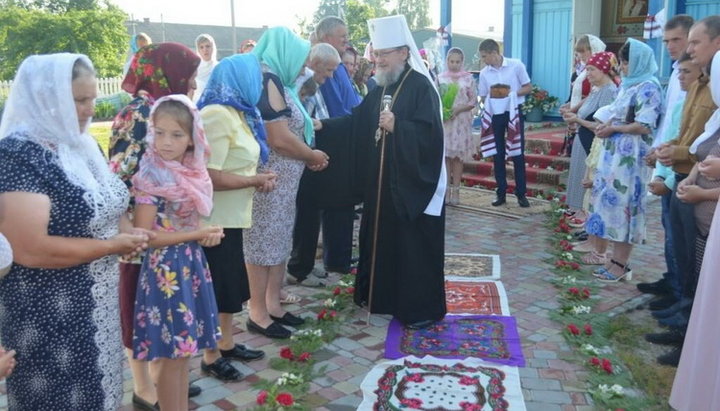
<point>549,381</point>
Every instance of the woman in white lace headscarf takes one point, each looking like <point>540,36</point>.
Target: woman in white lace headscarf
<point>207,50</point>
<point>62,212</point>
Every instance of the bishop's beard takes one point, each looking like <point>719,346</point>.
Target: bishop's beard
<point>388,76</point>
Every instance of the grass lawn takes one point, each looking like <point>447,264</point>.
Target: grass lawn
<point>101,132</point>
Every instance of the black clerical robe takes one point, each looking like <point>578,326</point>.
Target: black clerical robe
<point>409,282</point>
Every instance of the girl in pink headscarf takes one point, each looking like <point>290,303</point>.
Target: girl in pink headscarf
<point>459,145</point>
<point>175,307</point>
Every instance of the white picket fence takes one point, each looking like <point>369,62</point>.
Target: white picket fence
<point>106,87</point>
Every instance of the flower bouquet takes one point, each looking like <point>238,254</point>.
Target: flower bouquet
<point>448,92</point>
<point>539,98</point>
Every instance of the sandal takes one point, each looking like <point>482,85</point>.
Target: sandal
<point>290,298</point>
<point>594,258</point>
<point>607,277</point>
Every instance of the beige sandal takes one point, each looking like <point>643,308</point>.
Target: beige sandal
<point>290,298</point>
<point>594,258</point>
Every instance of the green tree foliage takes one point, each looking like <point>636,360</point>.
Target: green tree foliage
<point>32,28</point>
<point>417,12</point>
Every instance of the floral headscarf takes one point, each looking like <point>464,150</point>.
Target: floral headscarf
<point>452,75</point>
<point>186,183</point>
<point>161,69</point>
<point>285,53</point>
<point>237,82</point>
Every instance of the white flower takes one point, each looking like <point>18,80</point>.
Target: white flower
<point>581,309</point>
<point>558,211</point>
<point>329,303</point>
<point>590,349</point>
<point>555,199</point>
<point>569,237</point>
<point>550,168</point>
<point>568,280</point>
<point>567,256</point>
<point>617,389</point>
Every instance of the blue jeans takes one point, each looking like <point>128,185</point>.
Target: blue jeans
<point>499,125</point>
<point>671,276</point>
<point>684,231</point>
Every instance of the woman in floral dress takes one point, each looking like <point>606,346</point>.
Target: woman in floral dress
<point>459,145</point>
<point>618,202</point>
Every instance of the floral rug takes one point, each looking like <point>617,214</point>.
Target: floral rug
<point>490,338</point>
<point>476,297</point>
<point>472,267</point>
<point>435,384</point>
<point>480,201</point>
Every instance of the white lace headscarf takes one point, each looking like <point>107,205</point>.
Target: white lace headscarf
<point>41,108</point>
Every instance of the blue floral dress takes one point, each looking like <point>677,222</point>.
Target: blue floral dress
<point>175,309</point>
<point>618,198</point>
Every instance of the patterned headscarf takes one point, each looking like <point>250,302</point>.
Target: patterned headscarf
<point>237,82</point>
<point>452,75</point>
<point>285,53</point>
<point>187,183</point>
<point>161,69</point>
<point>642,65</point>
<point>603,61</point>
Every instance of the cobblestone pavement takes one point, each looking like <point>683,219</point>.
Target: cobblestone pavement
<point>549,381</point>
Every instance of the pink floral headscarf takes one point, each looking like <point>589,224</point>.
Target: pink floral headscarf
<point>186,183</point>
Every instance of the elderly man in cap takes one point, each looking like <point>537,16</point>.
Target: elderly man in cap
<point>396,139</point>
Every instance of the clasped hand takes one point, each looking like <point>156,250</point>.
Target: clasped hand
<point>319,161</point>
<point>132,243</point>
<point>710,167</point>
<point>266,181</point>
<point>605,130</point>
<point>213,235</point>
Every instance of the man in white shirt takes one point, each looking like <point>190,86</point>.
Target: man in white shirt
<point>510,72</point>
<point>675,37</point>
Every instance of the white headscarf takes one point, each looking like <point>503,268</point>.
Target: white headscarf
<point>596,46</point>
<point>206,67</point>
<point>41,108</point>
<point>393,31</point>
<point>713,123</point>
<point>6,256</point>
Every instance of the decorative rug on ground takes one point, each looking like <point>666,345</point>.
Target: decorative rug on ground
<point>476,297</point>
<point>480,201</point>
<point>472,267</point>
<point>435,384</point>
<point>491,338</point>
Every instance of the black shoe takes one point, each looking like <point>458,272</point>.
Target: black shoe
<point>671,358</point>
<point>242,353</point>
<point>288,319</point>
<point>523,201</point>
<point>499,200</point>
<point>662,303</point>
<point>140,404</point>
<point>222,370</point>
<point>677,320</point>
<point>273,330</point>
<point>419,325</point>
<point>672,337</point>
<point>659,287</point>
<point>672,310</point>
<point>580,235</point>
<point>194,390</point>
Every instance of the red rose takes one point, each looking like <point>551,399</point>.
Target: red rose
<point>262,397</point>
<point>586,292</point>
<point>285,399</point>
<point>607,366</point>
<point>304,357</point>
<point>574,330</point>
<point>148,70</point>
<point>595,361</point>
<point>336,291</point>
<point>350,290</point>
<point>575,266</point>
<point>333,314</point>
<point>286,352</point>
<point>588,329</point>
<point>573,290</point>
<point>321,314</point>
<point>563,198</point>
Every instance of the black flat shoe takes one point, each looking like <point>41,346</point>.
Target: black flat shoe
<point>288,319</point>
<point>194,390</point>
<point>273,330</point>
<point>419,325</point>
<point>140,404</point>
<point>523,201</point>
<point>222,370</point>
<point>499,200</point>
<point>242,353</point>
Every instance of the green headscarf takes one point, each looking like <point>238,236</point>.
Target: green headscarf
<point>285,53</point>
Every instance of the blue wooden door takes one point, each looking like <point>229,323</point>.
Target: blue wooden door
<point>702,8</point>
<point>552,47</point>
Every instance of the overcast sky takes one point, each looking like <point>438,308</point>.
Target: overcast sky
<point>469,16</point>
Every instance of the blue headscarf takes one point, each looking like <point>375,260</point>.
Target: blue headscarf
<point>642,65</point>
<point>237,82</point>
<point>285,53</point>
